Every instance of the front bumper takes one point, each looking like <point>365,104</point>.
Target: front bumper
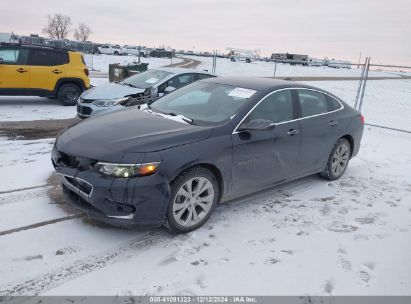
<point>117,201</point>
<point>85,110</point>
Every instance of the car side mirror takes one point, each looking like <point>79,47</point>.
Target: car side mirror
<point>257,125</point>
<point>169,89</point>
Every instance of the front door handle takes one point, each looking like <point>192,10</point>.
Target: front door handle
<point>21,70</point>
<point>332,123</point>
<point>56,71</point>
<point>293,132</point>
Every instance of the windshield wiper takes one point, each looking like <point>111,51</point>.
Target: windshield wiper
<point>186,119</point>
<point>128,84</point>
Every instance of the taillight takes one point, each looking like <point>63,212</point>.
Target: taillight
<point>86,71</point>
<point>362,119</point>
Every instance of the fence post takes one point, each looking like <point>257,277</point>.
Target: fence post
<point>360,84</point>
<point>92,56</point>
<point>275,67</point>
<point>364,85</point>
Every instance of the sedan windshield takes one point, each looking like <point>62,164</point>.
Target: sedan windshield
<point>146,79</point>
<point>204,102</point>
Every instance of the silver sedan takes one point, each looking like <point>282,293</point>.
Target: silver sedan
<point>135,90</point>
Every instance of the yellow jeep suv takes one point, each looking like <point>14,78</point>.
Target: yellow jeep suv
<point>34,70</point>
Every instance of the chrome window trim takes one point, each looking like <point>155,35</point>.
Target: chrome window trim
<point>297,119</point>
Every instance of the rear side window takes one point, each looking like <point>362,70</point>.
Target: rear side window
<point>312,103</point>
<point>277,107</point>
<point>13,56</point>
<point>47,58</point>
<point>333,104</point>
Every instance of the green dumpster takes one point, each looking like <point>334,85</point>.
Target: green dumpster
<point>117,72</point>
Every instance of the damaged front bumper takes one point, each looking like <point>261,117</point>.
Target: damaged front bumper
<point>117,201</point>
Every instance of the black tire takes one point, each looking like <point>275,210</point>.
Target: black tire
<point>68,94</point>
<point>116,53</point>
<point>329,172</point>
<point>197,172</point>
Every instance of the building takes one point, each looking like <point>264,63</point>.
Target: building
<point>290,58</point>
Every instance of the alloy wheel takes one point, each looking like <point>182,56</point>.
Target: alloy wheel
<point>340,159</point>
<point>193,201</point>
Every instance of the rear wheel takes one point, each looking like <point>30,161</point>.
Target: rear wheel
<point>68,94</point>
<point>338,161</point>
<point>194,195</point>
<point>116,53</point>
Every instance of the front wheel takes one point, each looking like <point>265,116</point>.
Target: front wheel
<point>68,94</point>
<point>194,195</point>
<point>338,161</point>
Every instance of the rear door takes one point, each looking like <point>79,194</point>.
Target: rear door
<point>320,128</point>
<point>47,67</point>
<point>265,157</point>
<point>14,71</point>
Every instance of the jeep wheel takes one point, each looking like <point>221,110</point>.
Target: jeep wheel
<point>68,94</point>
<point>116,53</point>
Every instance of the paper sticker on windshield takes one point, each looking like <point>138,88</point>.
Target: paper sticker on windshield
<point>152,80</point>
<point>241,93</point>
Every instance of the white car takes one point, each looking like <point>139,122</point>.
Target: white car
<point>111,49</point>
<point>134,50</point>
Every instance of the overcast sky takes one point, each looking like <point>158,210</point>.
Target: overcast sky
<point>339,29</point>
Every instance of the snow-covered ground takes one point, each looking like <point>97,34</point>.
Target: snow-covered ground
<point>225,67</point>
<point>101,62</point>
<point>348,237</point>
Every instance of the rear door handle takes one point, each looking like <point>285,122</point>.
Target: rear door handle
<point>56,71</point>
<point>332,123</point>
<point>21,70</point>
<point>293,132</point>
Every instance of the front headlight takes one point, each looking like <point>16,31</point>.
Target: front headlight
<point>110,102</point>
<point>128,170</point>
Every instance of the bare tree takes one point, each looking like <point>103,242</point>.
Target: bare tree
<point>82,32</point>
<point>58,26</point>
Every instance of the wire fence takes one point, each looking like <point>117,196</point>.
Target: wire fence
<point>382,92</point>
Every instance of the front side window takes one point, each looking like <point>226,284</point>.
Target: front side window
<point>180,80</point>
<point>277,107</point>
<point>204,103</point>
<point>146,79</point>
<point>13,56</point>
<point>312,102</point>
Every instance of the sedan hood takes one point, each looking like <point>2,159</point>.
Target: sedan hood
<point>130,130</point>
<point>110,91</point>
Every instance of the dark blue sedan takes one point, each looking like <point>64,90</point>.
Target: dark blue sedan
<point>172,161</point>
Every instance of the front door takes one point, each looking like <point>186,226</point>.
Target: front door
<point>14,71</point>
<point>265,157</point>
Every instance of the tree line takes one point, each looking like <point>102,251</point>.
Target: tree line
<point>59,26</point>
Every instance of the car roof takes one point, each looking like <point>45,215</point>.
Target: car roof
<point>36,46</point>
<point>182,70</point>
<point>257,83</point>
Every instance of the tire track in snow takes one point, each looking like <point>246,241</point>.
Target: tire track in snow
<point>41,224</point>
<point>49,280</point>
